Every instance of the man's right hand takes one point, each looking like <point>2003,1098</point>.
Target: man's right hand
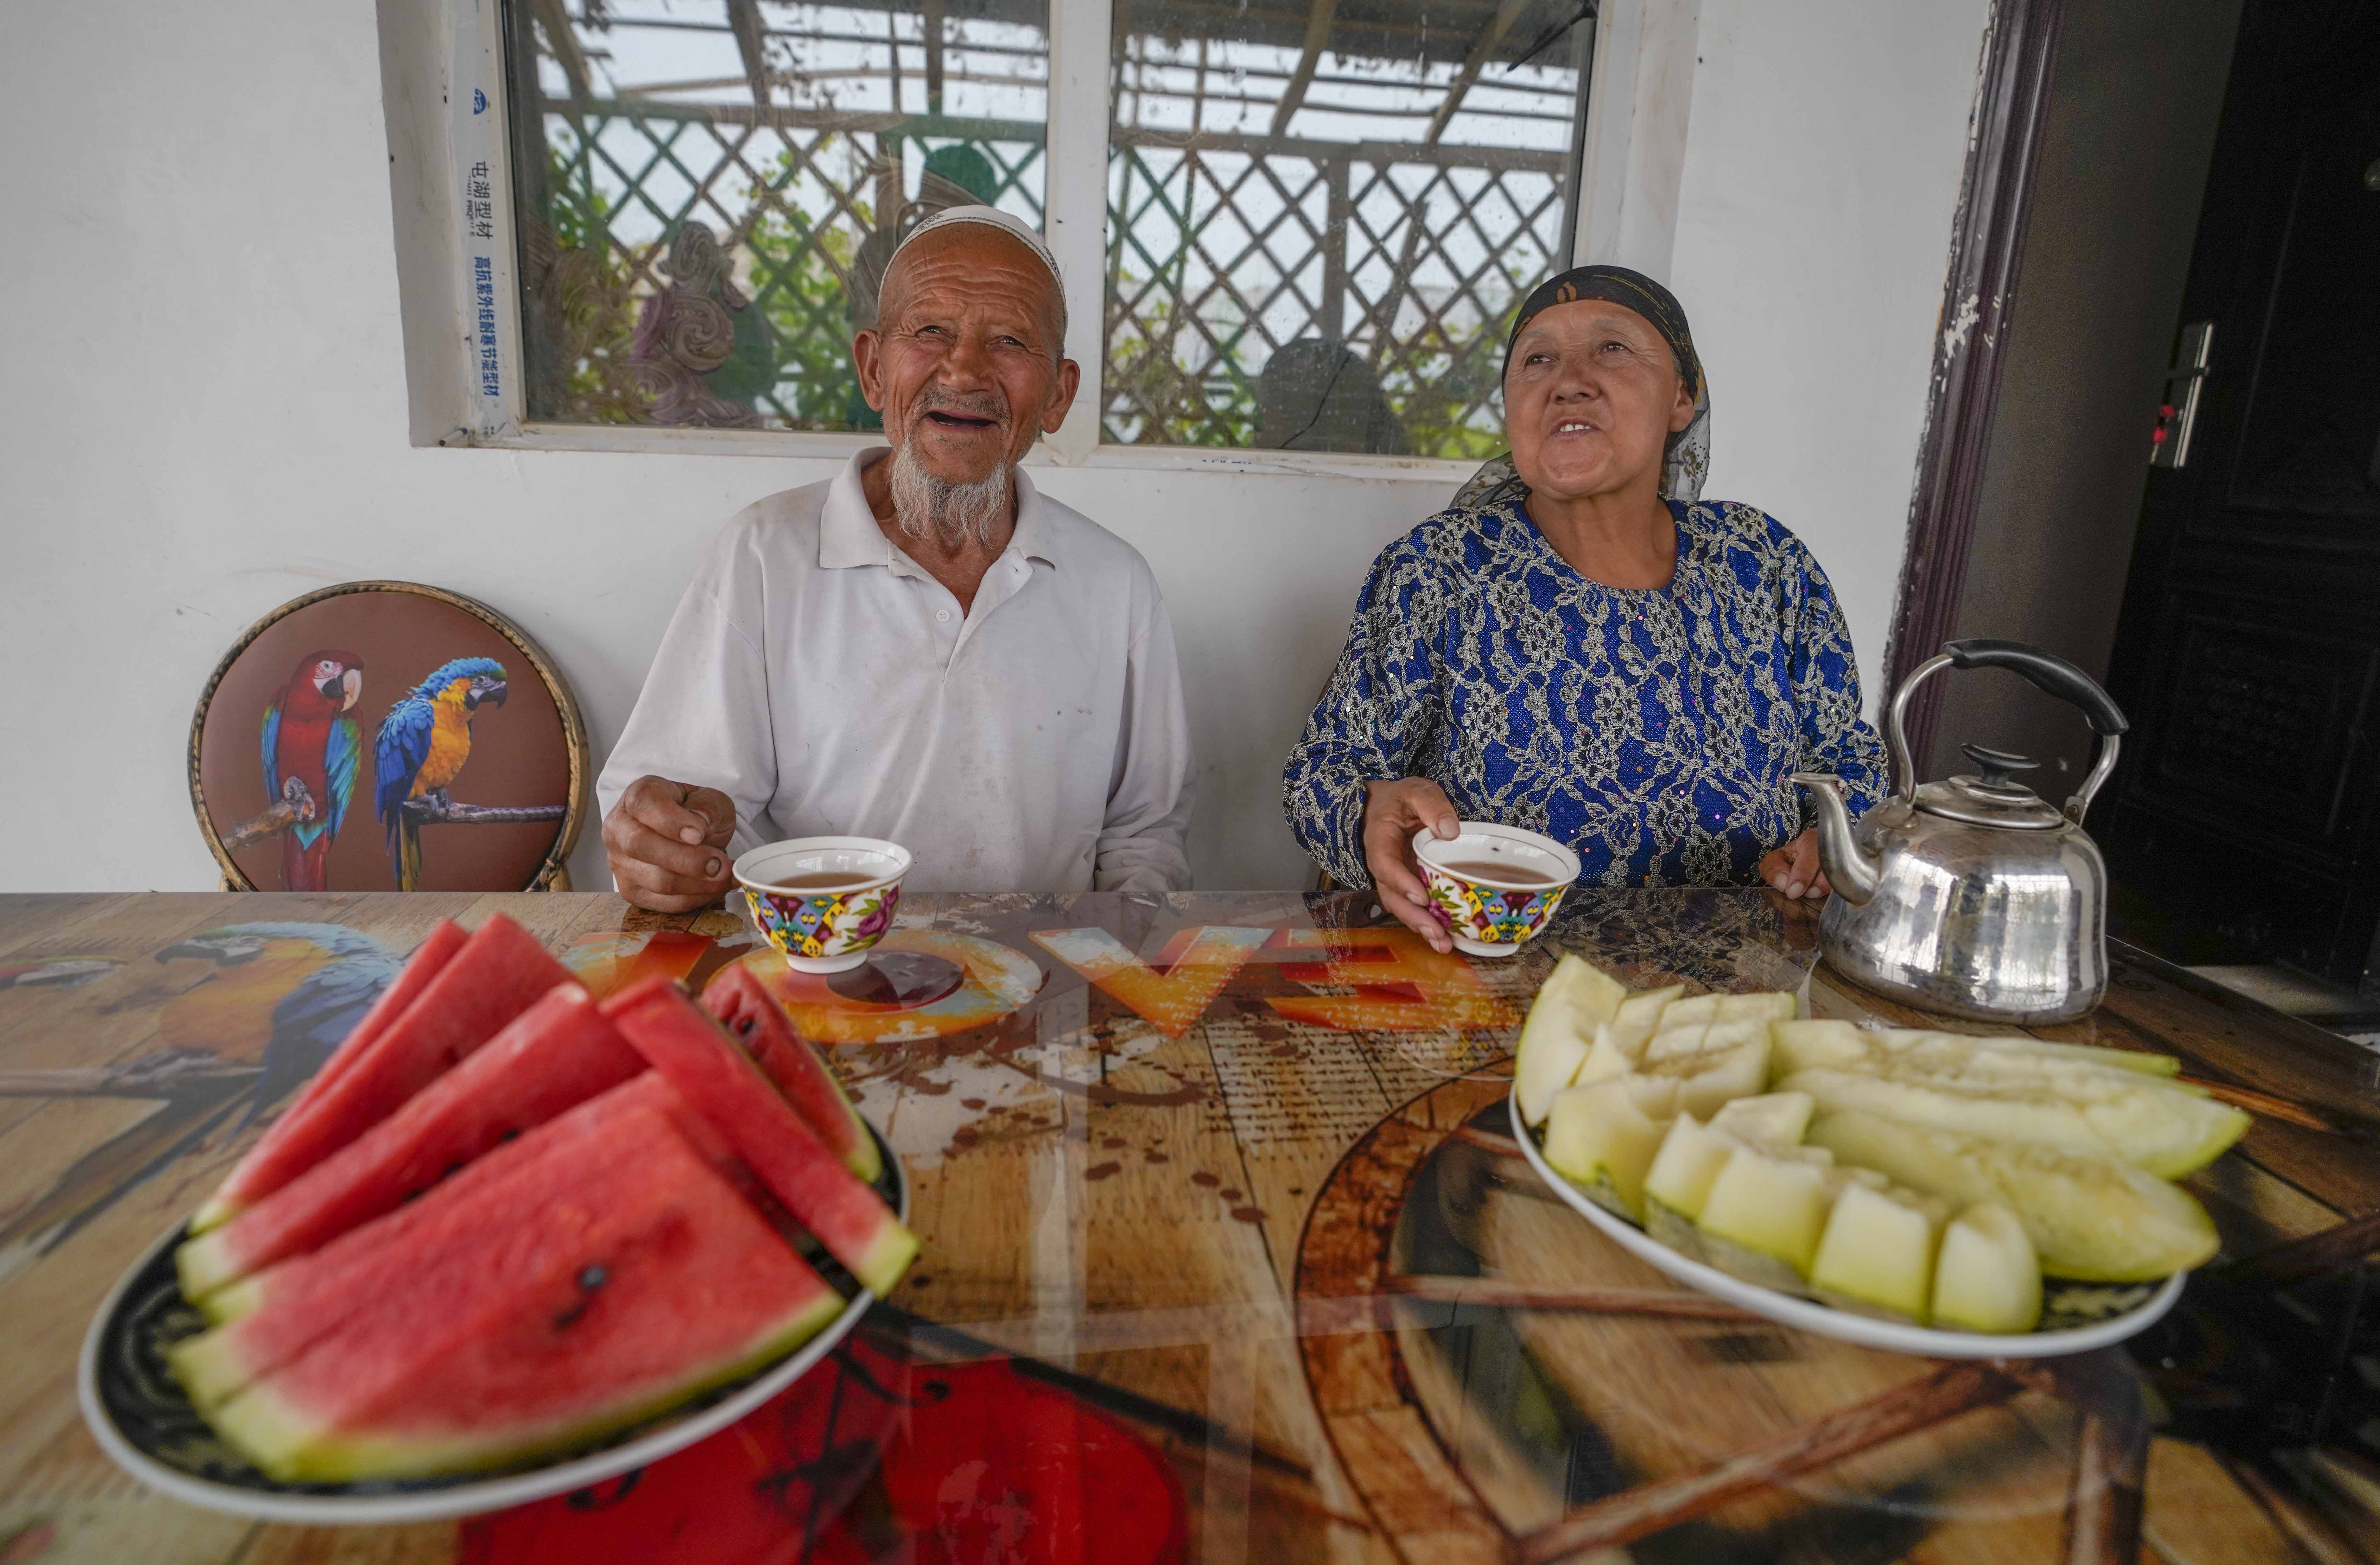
<point>1392,813</point>
<point>668,841</point>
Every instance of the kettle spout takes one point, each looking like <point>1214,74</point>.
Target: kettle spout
<point>1853,870</point>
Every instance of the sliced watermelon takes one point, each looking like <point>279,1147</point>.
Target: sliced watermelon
<point>264,1321</point>
<point>607,1293</point>
<point>556,1054</point>
<point>429,959</point>
<point>746,1009</point>
<point>728,1090</point>
<point>500,972</point>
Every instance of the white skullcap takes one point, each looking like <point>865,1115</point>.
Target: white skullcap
<point>995,218</point>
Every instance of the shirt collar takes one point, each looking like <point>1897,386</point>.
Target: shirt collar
<point>848,535</point>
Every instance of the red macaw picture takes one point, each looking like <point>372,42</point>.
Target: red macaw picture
<point>313,750</point>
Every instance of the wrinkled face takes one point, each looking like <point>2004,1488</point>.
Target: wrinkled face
<point>1590,400</point>
<point>965,362</point>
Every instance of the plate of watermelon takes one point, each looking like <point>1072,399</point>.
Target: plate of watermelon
<point>509,1242</point>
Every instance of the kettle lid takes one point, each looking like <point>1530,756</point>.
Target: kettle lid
<point>1993,798</point>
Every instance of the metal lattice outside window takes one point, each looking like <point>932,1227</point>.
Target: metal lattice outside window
<point>705,193</point>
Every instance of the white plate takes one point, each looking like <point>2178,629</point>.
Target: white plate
<point>1808,1314</point>
<point>171,1451</point>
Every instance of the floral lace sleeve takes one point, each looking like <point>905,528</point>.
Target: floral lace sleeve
<point>1375,717</point>
<point>1826,687</point>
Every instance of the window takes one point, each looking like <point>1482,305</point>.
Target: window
<point>705,191</point>
<point>1320,217</point>
<point>1318,214</point>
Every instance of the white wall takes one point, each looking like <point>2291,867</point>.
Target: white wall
<point>1814,232</point>
<point>203,412</point>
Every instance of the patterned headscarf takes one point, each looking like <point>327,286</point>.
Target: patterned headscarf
<point>1687,461</point>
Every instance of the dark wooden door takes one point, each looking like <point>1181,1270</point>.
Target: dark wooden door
<point>2243,825</point>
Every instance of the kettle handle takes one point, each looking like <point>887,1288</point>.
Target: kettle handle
<point>2047,672</point>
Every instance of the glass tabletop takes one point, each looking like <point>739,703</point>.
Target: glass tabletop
<point>1228,1253</point>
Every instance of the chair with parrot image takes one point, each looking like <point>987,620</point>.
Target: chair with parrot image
<point>323,754</point>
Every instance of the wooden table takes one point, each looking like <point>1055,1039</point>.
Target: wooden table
<point>1226,1257</point>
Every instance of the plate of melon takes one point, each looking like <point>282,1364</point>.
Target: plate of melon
<point>508,1243</point>
<point>1930,1192</point>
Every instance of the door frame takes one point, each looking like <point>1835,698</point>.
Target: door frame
<point>1979,295</point>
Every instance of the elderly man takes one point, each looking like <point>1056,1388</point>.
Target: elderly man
<point>924,648</point>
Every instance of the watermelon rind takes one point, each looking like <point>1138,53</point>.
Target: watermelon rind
<point>498,973</point>
<point>205,1266</point>
<point>796,1065</point>
<point>556,1055</point>
<point>209,1369</point>
<point>437,948</point>
<point>291,1448</point>
<point>724,1084</point>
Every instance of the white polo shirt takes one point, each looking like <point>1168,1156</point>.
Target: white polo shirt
<point>822,680</point>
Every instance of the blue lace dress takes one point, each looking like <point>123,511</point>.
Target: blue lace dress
<point>1653,730</point>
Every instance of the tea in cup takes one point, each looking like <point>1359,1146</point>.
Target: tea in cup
<point>1498,886</point>
<point>822,901</point>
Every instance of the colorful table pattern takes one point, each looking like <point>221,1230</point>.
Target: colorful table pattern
<point>1227,1255</point>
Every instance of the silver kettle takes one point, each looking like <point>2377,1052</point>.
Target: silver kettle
<point>1973,896</point>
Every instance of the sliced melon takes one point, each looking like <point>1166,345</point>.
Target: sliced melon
<point>727,1087</point>
<point>1577,997</point>
<point>2135,1059</point>
<point>2089,1214</point>
<point>1767,1204</point>
<point>1713,1065</point>
<point>1603,1136</point>
<point>1779,1119</point>
<point>1679,1182</point>
<point>2142,1120</point>
<point>1810,1046</point>
<point>1620,1042</point>
<point>1878,1251</point>
<point>1771,1006</point>
<point>1986,1277</point>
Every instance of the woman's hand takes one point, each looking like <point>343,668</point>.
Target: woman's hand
<point>1392,813</point>
<point>1793,868</point>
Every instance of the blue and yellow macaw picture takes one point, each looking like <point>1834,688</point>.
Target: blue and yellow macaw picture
<point>422,745</point>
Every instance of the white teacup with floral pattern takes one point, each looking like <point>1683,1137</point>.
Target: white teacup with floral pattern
<point>822,901</point>
<point>1495,886</point>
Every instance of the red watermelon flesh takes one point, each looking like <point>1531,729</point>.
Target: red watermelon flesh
<point>746,1009</point>
<point>607,1297</point>
<point>267,1320</point>
<point>429,959</point>
<point>558,1053</point>
<point>725,1088</point>
<point>500,972</point>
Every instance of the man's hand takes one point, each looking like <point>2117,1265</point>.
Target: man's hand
<point>1793,868</point>
<point>667,842</point>
<point>1392,813</point>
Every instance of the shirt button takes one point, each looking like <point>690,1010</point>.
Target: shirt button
<point>942,616</point>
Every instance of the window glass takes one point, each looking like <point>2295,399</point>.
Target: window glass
<point>706,190</point>
<point>1322,214</point>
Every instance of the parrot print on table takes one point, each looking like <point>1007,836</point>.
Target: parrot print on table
<point>311,752</point>
<point>251,1012</point>
<point>422,745</point>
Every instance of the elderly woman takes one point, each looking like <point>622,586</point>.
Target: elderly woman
<point>1580,645</point>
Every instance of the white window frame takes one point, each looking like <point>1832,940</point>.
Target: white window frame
<point>442,94</point>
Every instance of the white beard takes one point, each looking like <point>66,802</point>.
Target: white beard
<point>952,513</point>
